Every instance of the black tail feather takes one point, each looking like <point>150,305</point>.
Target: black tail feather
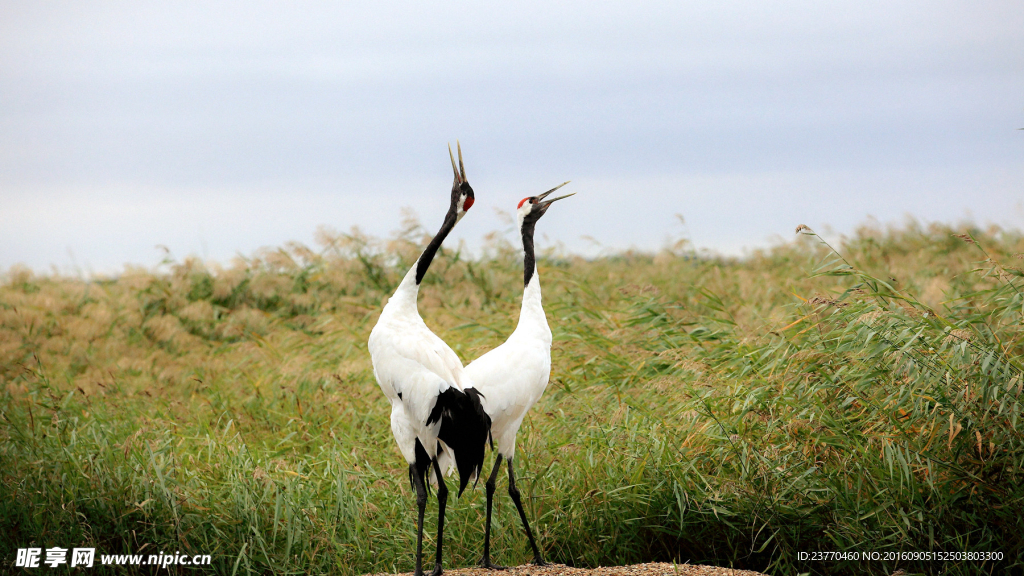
<point>465,428</point>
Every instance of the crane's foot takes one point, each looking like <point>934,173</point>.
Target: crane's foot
<point>538,561</point>
<point>485,562</point>
<point>437,570</point>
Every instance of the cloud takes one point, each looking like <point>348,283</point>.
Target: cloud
<point>285,101</point>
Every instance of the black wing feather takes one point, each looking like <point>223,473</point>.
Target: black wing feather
<point>465,427</point>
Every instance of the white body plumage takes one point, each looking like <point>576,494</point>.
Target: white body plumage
<point>413,366</point>
<point>513,376</point>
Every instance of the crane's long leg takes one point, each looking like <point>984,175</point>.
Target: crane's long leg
<point>421,505</point>
<point>514,493</point>
<point>492,481</point>
<point>442,500</point>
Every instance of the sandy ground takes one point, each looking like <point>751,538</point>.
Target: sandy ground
<point>659,569</point>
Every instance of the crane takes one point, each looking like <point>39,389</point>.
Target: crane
<point>512,377</point>
<point>436,415</point>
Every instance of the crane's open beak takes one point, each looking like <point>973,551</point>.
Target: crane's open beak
<point>459,178</point>
<point>548,193</point>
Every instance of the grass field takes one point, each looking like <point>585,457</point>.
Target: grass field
<point>726,411</point>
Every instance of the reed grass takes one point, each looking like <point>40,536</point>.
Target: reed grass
<point>711,410</point>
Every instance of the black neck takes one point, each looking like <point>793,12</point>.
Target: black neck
<point>529,260</point>
<point>428,253</point>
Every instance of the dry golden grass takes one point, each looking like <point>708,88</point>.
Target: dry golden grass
<point>729,411</point>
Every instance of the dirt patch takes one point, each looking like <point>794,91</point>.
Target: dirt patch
<point>656,569</point>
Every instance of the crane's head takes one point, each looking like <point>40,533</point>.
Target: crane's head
<point>462,192</point>
<point>531,208</point>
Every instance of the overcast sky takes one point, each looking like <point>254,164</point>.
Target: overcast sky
<point>217,128</point>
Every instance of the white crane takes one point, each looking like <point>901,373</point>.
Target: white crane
<point>512,377</point>
<point>436,415</point>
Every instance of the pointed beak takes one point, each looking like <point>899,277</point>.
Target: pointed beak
<point>548,203</point>
<point>548,193</point>
<point>454,169</point>
<point>462,167</point>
